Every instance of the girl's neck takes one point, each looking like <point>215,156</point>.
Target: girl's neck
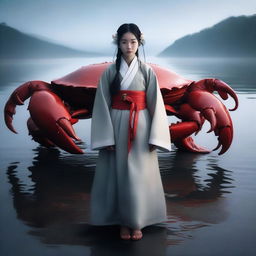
<point>128,59</point>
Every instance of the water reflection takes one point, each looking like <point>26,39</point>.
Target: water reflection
<point>55,204</point>
<point>194,185</point>
<point>182,179</point>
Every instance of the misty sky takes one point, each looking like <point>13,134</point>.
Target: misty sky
<point>89,24</point>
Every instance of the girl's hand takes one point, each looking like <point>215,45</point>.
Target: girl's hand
<point>151,147</point>
<point>111,148</point>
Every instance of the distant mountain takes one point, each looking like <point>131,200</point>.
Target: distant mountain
<point>15,44</point>
<point>232,37</point>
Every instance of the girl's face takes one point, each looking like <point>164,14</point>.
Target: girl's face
<point>129,45</point>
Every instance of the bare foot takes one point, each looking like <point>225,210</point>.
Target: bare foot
<point>125,233</point>
<point>136,234</point>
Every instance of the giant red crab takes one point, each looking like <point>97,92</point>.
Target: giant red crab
<point>55,107</point>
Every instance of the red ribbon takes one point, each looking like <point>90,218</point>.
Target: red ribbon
<point>133,101</point>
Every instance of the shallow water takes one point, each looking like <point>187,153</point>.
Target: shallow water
<point>210,198</point>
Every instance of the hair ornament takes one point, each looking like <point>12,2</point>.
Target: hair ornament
<point>142,39</point>
<point>114,37</point>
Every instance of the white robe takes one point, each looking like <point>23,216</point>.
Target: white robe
<point>127,188</point>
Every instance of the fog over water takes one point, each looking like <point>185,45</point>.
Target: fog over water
<point>89,24</point>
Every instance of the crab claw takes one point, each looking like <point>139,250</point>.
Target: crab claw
<point>18,97</point>
<point>224,90</point>
<point>211,85</point>
<point>9,111</point>
<point>54,120</point>
<point>225,139</point>
<point>216,113</point>
<point>209,115</point>
<point>38,135</point>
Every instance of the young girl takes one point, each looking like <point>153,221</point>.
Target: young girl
<point>128,123</point>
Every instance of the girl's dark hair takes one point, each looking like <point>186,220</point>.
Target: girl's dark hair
<point>127,27</point>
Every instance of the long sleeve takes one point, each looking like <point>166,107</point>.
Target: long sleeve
<point>102,134</point>
<point>159,133</point>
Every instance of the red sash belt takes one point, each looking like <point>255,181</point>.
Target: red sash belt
<point>133,101</point>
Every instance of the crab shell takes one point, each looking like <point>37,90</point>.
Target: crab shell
<point>78,88</point>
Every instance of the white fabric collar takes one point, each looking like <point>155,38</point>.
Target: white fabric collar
<point>128,72</point>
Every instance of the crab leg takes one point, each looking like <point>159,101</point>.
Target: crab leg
<point>48,113</point>
<point>192,122</point>
<point>180,133</point>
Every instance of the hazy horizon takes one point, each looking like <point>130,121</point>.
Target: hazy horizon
<point>89,24</point>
